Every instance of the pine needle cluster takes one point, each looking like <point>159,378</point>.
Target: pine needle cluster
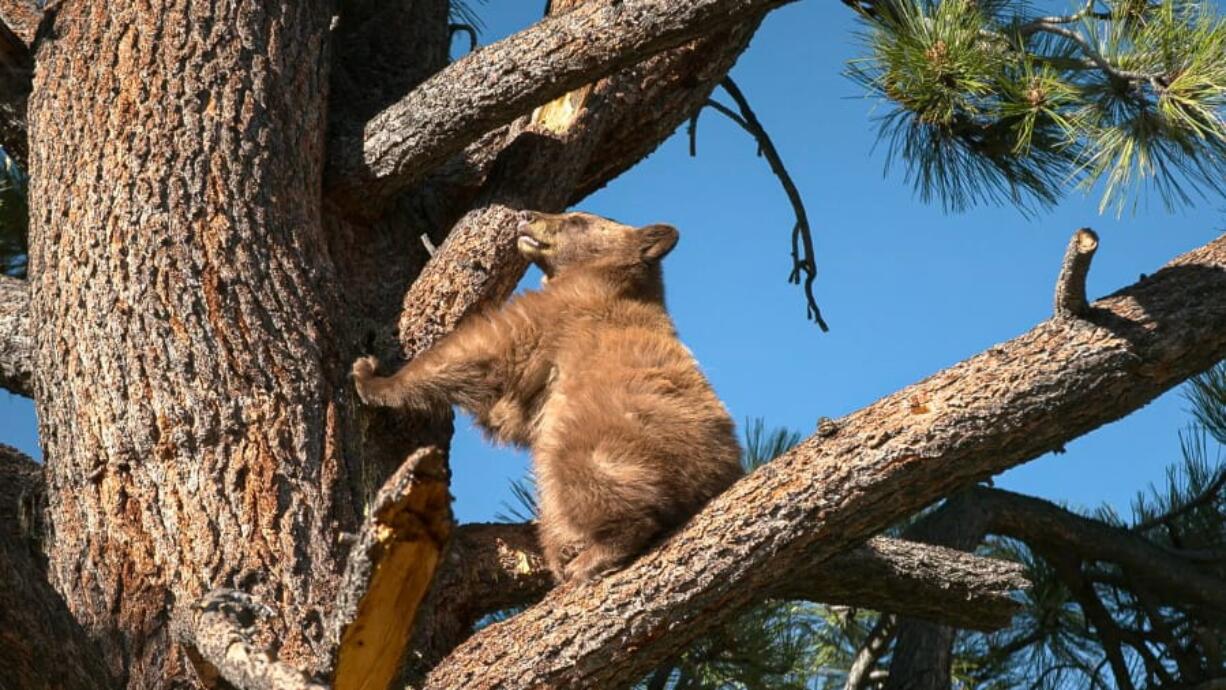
<point>991,102</point>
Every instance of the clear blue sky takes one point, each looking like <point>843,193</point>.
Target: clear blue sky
<point>907,289</point>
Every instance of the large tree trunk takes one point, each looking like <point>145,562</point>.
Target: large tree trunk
<point>190,381</point>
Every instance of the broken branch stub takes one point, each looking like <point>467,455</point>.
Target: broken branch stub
<point>389,571</point>
<point>1071,299</point>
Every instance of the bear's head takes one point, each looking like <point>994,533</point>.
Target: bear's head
<point>560,242</point>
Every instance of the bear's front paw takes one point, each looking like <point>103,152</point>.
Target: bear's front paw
<point>363,371</point>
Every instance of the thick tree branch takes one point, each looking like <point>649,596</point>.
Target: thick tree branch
<point>497,566</point>
<point>221,648</point>
<point>389,570</point>
<point>502,81</point>
<point>19,21</point>
<point>41,645</point>
<point>573,145</point>
<point>994,411</point>
<point>16,340</point>
<point>492,567</point>
<point>914,579</point>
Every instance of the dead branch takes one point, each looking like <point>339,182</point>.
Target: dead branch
<point>219,643</point>
<point>389,570</point>
<point>19,22</point>
<point>504,80</point>
<point>991,412</point>
<point>39,638</point>
<point>16,340</point>
<point>1071,285</point>
<point>804,258</point>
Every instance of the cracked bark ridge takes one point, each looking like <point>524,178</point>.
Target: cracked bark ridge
<point>39,639</point>
<point>1003,407</point>
<point>389,570</point>
<point>220,645</point>
<point>19,22</point>
<point>504,80</point>
<point>1071,284</point>
<point>491,567</point>
<point>191,387</point>
<point>16,342</point>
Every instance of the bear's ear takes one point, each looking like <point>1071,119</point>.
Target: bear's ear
<point>656,241</point>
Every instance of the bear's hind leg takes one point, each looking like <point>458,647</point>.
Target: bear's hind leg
<point>613,548</point>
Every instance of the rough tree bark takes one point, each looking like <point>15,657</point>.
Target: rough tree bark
<point>493,567</point>
<point>191,386</point>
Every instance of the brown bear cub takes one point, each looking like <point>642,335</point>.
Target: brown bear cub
<point>628,438</point>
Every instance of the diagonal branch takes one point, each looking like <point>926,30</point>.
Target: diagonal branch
<point>1001,408</point>
<point>1048,528</point>
<point>16,340</point>
<point>502,81</point>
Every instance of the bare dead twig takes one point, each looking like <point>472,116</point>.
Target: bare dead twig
<point>803,255</point>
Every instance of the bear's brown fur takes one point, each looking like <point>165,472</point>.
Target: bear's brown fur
<point>627,436</point>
